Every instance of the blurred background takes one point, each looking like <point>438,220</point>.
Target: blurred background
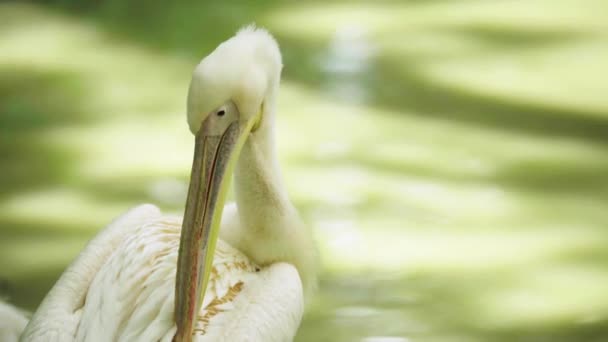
<point>451,156</point>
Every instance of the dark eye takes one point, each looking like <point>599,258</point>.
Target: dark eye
<point>221,112</point>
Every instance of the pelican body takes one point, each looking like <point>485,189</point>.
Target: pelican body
<point>155,277</point>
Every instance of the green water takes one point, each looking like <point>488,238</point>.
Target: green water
<point>451,156</point>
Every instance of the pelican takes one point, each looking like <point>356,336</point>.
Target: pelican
<point>155,277</point>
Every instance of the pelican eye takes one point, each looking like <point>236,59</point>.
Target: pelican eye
<point>221,112</point>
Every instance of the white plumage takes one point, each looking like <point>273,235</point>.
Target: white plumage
<point>123,286</point>
<point>131,295</point>
<point>12,322</point>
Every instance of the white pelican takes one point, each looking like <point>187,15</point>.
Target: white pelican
<point>251,285</point>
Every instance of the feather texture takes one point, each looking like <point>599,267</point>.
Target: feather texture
<point>130,296</point>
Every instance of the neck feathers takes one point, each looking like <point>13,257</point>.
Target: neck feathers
<point>270,227</point>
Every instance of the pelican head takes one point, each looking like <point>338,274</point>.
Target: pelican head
<point>239,73</point>
<point>225,106</point>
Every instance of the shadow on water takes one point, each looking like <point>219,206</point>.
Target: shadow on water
<point>32,103</point>
<point>398,85</point>
<point>549,176</point>
<point>425,98</point>
<point>30,290</point>
<point>511,38</point>
<point>190,28</point>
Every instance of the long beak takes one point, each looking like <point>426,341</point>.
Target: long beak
<point>214,160</point>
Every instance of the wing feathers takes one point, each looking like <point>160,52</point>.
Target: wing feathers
<point>130,293</point>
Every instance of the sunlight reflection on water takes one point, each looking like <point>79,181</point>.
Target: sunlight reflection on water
<point>347,63</point>
<point>340,233</point>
